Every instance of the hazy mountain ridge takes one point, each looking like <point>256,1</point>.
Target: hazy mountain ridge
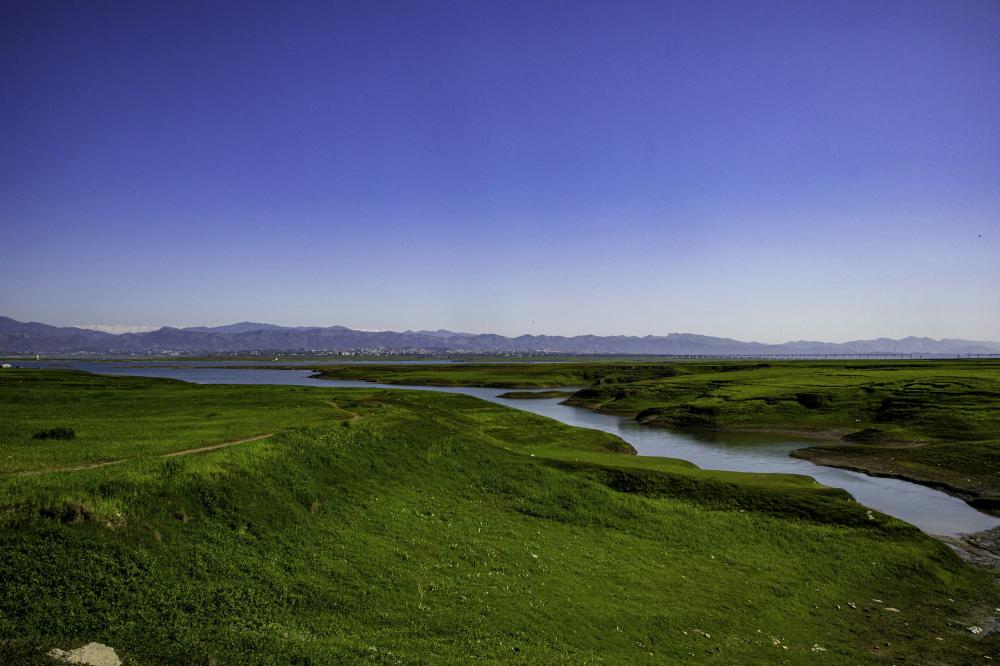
<point>37,338</point>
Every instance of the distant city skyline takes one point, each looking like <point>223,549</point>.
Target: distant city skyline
<point>763,171</point>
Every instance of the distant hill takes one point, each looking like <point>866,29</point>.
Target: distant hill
<point>34,338</point>
<point>242,327</point>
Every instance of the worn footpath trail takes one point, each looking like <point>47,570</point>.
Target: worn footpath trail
<point>352,417</point>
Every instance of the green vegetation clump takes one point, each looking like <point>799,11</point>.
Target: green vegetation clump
<point>55,433</point>
<point>868,435</point>
<point>436,529</point>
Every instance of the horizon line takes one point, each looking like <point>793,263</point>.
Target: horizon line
<point>139,329</point>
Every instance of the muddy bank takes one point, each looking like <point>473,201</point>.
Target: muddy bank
<point>982,548</point>
<point>875,467</point>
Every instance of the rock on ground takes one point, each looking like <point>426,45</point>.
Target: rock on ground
<point>91,654</point>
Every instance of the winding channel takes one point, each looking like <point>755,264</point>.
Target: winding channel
<point>931,510</point>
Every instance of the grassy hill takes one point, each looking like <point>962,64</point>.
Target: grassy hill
<point>935,422</point>
<point>369,526</point>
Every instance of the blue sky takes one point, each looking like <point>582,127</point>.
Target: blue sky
<point>758,170</point>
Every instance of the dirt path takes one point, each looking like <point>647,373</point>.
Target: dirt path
<point>213,447</point>
<point>173,454</point>
<point>354,415</point>
<point>76,468</point>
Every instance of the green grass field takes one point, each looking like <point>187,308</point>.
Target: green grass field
<point>936,422</point>
<point>504,375</point>
<point>392,527</point>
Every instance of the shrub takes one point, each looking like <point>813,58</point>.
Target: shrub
<point>55,433</point>
<point>868,435</point>
<point>811,400</point>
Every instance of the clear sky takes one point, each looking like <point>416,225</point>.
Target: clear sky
<point>758,170</point>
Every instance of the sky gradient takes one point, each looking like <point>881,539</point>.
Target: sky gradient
<point>756,170</point>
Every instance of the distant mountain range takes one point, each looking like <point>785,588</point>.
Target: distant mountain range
<point>34,338</point>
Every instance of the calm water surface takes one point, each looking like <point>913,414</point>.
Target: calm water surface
<point>932,511</point>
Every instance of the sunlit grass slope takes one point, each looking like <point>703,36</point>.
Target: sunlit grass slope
<point>411,527</point>
<point>937,422</point>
